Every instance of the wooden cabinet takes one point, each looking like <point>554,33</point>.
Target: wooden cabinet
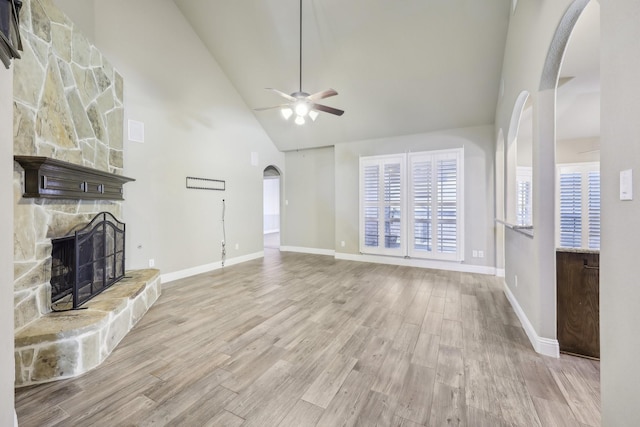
<point>55,179</point>
<point>578,302</point>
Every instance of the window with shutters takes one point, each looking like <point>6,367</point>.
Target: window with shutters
<point>423,203</point>
<point>435,195</point>
<point>382,215</point>
<point>524,188</point>
<point>578,206</point>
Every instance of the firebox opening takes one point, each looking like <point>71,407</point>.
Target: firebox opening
<point>87,262</point>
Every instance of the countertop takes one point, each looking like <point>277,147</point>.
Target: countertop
<point>578,250</point>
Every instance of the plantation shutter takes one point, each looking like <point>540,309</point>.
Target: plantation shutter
<point>392,205</point>
<point>447,182</point>
<point>422,209</point>
<point>524,208</point>
<point>381,201</point>
<point>571,210</point>
<point>579,205</point>
<point>593,178</point>
<point>435,205</point>
<point>371,208</point>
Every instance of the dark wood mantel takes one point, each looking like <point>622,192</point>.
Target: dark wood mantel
<point>56,179</point>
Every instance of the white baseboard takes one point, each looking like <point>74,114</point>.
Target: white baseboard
<point>545,346</point>
<point>421,263</point>
<point>244,258</point>
<point>313,251</point>
<point>500,272</point>
<point>188,272</point>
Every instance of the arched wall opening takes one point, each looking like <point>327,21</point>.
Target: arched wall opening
<point>518,163</point>
<point>578,136</point>
<point>544,174</point>
<point>530,255</point>
<point>577,213</point>
<point>272,201</point>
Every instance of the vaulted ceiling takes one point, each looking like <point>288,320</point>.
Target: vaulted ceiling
<point>400,66</point>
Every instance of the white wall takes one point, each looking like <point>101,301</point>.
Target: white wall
<point>582,150</point>
<point>478,143</point>
<point>197,125</point>
<point>7,370</point>
<point>309,193</point>
<point>620,150</point>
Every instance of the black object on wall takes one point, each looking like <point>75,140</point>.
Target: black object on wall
<point>10,42</point>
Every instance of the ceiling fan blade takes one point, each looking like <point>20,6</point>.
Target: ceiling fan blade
<point>273,107</point>
<point>326,109</point>
<point>322,95</point>
<point>282,94</point>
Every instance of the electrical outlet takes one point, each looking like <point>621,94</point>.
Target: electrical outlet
<point>480,254</point>
<point>237,246</point>
<point>475,253</point>
<point>342,243</point>
<point>515,279</point>
<point>152,262</point>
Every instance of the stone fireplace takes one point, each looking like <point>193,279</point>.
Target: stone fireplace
<point>68,106</point>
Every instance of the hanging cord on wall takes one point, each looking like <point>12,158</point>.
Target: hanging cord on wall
<point>224,235</point>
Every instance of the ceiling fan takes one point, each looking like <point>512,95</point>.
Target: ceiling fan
<point>300,103</point>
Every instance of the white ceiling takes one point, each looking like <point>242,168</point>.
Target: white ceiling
<point>400,66</point>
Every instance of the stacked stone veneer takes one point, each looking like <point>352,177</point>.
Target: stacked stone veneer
<point>68,105</point>
<point>66,344</point>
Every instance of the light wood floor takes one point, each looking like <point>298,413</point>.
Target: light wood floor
<point>304,340</point>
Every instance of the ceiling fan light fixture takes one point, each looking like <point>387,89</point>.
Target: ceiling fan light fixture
<point>302,108</point>
<point>302,103</point>
<point>286,113</point>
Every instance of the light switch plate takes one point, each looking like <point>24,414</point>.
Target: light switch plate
<point>626,184</point>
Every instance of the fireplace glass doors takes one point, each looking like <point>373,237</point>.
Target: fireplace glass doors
<point>88,261</point>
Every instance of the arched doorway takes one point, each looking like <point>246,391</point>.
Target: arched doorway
<point>519,164</point>
<point>545,114</point>
<point>577,166</point>
<point>271,207</point>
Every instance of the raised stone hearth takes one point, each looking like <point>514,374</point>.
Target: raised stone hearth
<point>66,344</point>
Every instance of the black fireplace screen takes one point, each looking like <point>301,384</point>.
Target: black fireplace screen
<point>88,261</point>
